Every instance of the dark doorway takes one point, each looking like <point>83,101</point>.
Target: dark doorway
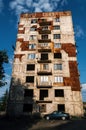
<point>43,94</point>
<point>61,107</point>
<point>44,56</point>
<point>27,108</point>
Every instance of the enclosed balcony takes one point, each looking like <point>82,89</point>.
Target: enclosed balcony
<point>44,47</point>
<point>44,58</point>
<point>44,84</point>
<point>44,72</point>
<point>44,31</point>
<point>45,23</point>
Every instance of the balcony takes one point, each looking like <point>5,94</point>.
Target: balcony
<point>44,84</point>
<point>44,61</point>
<point>44,101</point>
<point>44,72</point>
<point>44,40</point>
<point>45,23</point>
<point>45,32</point>
<point>44,48</point>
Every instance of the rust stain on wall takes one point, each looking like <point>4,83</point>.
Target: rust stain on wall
<point>24,46</point>
<point>70,49</point>
<point>18,56</point>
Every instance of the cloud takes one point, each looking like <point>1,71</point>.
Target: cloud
<point>1,5</point>
<point>79,32</point>
<point>83,91</point>
<point>83,86</point>
<point>19,6</point>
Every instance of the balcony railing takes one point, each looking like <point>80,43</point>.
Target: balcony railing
<point>44,31</point>
<point>45,23</point>
<point>44,84</point>
<point>44,48</point>
<point>44,61</point>
<point>44,72</point>
<point>44,40</point>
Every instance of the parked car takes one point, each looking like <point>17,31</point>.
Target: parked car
<point>57,115</point>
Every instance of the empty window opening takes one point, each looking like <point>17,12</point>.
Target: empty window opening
<point>27,108</point>
<point>43,94</point>
<point>28,92</point>
<point>30,67</point>
<point>57,55</point>
<point>43,108</point>
<point>59,93</point>
<point>44,56</point>
<point>30,79</point>
<point>61,107</point>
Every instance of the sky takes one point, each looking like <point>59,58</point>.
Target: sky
<point>10,11</point>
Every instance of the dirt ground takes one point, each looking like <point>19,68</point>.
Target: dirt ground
<point>28,123</point>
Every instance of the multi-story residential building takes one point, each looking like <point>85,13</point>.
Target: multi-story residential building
<point>45,75</point>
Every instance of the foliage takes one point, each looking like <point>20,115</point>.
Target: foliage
<point>3,59</point>
<point>3,101</point>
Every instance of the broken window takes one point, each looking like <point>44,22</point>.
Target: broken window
<point>58,79</point>
<point>57,66</point>
<point>33,20</point>
<point>44,56</point>
<point>30,67</point>
<point>44,37</point>
<point>29,79</point>
<point>28,92</point>
<point>56,36</point>
<point>59,93</point>
<point>57,55</point>
<point>61,107</point>
<point>43,94</point>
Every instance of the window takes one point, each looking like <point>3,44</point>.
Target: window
<point>32,46</point>
<point>61,107</point>
<point>29,79</point>
<point>45,66</point>
<point>30,67</point>
<point>44,78</point>
<point>44,37</point>
<point>57,36</point>
<point>57,45</point>
<point>57,20</point>
<point>28,92</point>
<point>32,29</point>
<point>31,56</point>
<point>57,55</point>
<point>44,56</point>
<point>44,44</point>
<point>57,66</point>
<point>59,93</point>
<point>32,37</point>
<point>58,79</point>
<point>45,28</point>
<point>33,20</point>
<point>57,27</point>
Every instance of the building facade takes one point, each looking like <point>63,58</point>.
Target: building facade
<point>45,74</point>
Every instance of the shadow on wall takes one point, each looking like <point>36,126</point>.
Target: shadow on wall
<point>21,100</point>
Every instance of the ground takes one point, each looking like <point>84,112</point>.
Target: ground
<point>27,123</point>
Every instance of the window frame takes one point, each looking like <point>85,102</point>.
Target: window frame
<point>58,79</point>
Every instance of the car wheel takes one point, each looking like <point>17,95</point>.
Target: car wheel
<point>63,118</point>
<point>47,118</point>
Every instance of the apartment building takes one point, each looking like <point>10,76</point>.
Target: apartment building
<point>45,73</point>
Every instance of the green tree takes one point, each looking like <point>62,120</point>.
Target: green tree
<point>3,59</point>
